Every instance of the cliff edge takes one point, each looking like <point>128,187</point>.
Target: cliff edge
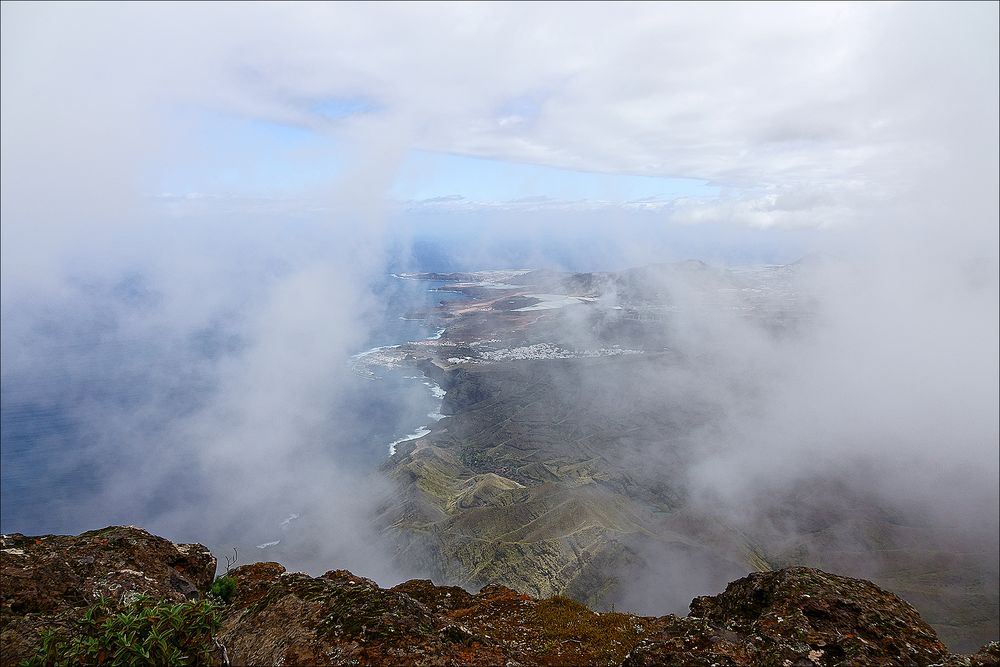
<point>796,616</point>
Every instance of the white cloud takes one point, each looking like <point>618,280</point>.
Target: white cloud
<point>807,97</point>
<point>805,114</point>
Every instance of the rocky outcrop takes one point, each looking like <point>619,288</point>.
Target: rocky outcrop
<point>289,618</point>
<point>47,581</point>
<point>792,617</point>
<point>280,617</point>
<point>796,616</point>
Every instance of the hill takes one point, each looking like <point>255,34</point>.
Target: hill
<point>577,408</point>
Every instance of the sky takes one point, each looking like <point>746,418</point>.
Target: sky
<point>684,103</point>
<point>762,115</point>
<point>240,173</point>
<point>284,159</point>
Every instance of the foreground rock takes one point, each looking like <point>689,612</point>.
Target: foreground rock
<point>49,580</point>
<point>796,616</point>
<point>288,618</point>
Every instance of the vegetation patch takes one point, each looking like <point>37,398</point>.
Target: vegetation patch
<point>607,638</point>
<point>224,588</point>
<point>143,632</point>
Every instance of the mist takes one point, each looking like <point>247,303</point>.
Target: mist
<point>187,306</point>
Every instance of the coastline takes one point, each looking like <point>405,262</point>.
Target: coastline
<point>436,415</point>
<point>395,356</point>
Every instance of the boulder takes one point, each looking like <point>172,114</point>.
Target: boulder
<point>48,580</point>
<point>289,618</point>
<point>796,617</point>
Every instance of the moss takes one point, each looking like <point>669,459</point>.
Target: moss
<point>607,638</point>
<point>274,593</point>
<point>359,612</point>
<point>348,611</point>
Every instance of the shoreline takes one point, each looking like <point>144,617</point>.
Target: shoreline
<point>438,392</point>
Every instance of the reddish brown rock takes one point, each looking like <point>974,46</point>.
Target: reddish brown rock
<point>280,617</point>
<point>793,617</point>
<point>337,618</point>
<point>987,656</point>
<point>796,616</point>
<point>48,580</point>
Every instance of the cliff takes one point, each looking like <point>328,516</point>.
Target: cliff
<point>796,616</point>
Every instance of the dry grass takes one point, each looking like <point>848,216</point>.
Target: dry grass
<point>569,626</point>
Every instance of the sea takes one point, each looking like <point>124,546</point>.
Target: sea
<point>86,380</point>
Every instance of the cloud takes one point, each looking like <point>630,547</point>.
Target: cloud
<point>789,207</point>
<point>804,115</point>
<point>817,98</point>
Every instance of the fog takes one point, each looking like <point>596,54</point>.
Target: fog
<point>197,342</point>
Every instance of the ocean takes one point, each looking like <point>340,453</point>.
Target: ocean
<point>81,408</point>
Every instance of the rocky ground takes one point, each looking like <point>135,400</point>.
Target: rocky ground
<point>47,581</point>
<point>796,616</point>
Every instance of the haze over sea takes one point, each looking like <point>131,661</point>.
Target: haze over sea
<point>48,481</point>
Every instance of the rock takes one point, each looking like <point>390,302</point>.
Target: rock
<point>449,598</point>
<point>49,579</point>
<point>987,655</point>
<point>796,616</point>
<point>279,617</point>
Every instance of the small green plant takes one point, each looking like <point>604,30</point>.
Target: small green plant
<point>143,632</point>
<point>224,588</point>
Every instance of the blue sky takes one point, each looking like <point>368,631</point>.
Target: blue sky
<point>236,155</point>
<point>425,175</point>
<point>250,158</point>
<point>242,156</point>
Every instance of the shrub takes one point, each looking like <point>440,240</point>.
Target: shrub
<point>143,632</point>
<point>224,588</point>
